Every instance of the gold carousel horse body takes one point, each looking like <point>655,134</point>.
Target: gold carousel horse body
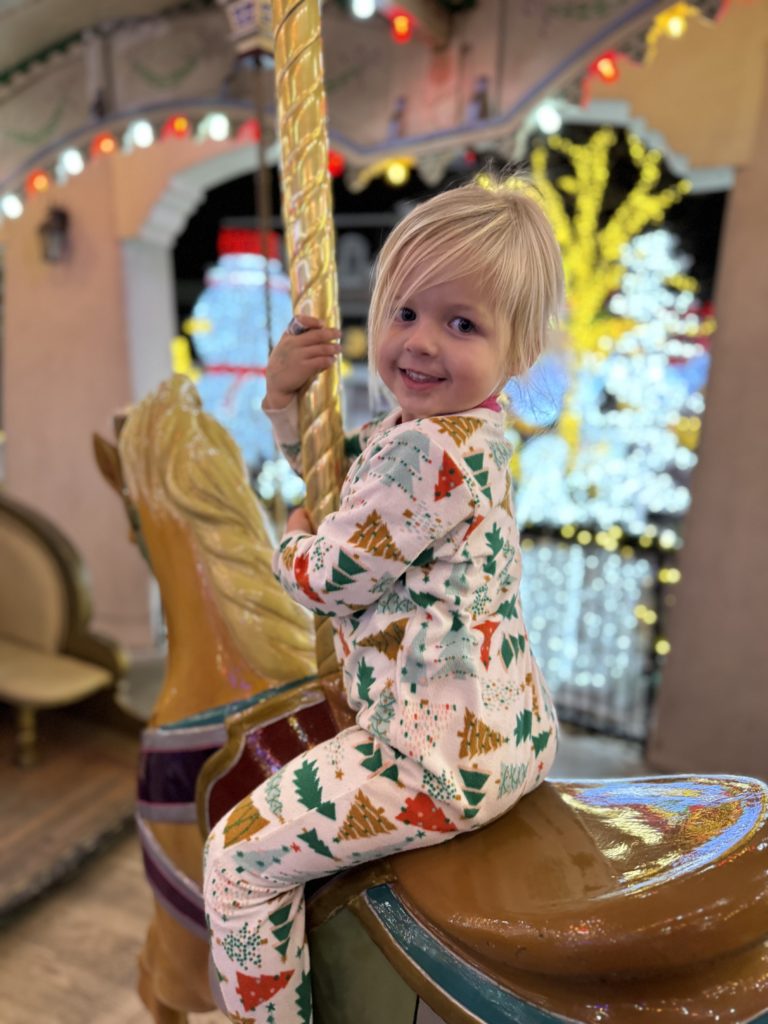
<point>589,901</point>
<point>232,633</point>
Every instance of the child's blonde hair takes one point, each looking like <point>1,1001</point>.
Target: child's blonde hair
<point>496,231</point>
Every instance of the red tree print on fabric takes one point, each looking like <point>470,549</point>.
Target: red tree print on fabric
<point>448,478</point>
<point>487,628</point>
<point>473,526</point>
<point>420,810</point>
<point>255,991</point>
<point>301,572</point>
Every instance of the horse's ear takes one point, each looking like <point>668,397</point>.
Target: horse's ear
<point>108,461</point>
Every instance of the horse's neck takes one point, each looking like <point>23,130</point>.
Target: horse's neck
<point>204,669</point>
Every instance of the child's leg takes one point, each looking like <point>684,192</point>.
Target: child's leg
<point>347,801</point>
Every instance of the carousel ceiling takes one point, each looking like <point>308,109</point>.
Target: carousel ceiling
<point>31,27</point>
<point>474,77</point>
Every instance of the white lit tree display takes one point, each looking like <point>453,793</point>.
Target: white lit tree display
<point>607,430</point>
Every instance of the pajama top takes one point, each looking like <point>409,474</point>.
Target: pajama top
<point>420,570</point>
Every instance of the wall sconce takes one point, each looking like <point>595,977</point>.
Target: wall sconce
<point>54,235</point>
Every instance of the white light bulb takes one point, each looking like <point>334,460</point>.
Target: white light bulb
<point>71,162</point>
<point>548,118</point>
<point>143,134</point>
<point>218,127</point>
<point>363,8</point>
<point>11,206</point>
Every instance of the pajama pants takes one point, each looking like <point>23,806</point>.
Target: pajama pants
<point>346,801</point>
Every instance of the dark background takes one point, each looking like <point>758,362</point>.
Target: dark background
<point>696,219</point>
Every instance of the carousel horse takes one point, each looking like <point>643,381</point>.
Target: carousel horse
<point>591,901</point>
<point>232,633</point>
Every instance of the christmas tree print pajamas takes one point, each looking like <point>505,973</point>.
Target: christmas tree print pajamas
<point>420,570</point>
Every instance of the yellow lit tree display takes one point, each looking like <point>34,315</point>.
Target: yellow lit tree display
<point>591,250</point>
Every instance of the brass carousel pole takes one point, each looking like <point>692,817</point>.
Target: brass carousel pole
<point>310,245</point>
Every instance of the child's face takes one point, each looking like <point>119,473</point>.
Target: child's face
<point>441,352</point>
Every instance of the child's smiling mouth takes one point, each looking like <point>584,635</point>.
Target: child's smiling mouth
<point>415,379</point>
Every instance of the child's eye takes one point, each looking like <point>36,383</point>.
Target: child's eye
<point>405,313</point>
<point>463,325</point>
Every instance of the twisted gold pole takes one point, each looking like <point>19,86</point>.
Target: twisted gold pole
<point>309,236</point>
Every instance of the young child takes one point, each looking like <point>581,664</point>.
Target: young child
<point>420,570</point>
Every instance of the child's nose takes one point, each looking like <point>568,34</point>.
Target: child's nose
<point>421,340</point>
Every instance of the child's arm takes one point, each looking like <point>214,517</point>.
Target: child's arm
<point>394,514</point>
<point>285,423</point>
<point>305,349</point>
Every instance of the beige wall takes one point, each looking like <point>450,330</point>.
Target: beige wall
<point>68,362</point>
<point>712,710</point>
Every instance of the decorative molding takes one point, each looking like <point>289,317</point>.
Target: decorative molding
<point>187,190</point>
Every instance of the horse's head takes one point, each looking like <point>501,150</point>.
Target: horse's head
<point>231,627</point>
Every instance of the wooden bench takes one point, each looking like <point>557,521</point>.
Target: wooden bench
<point>48,658</point>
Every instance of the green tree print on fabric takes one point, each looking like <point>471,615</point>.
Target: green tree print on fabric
<point>423,600</point>
<point>399,463</point>
<point>512,647</point>
<point>242,947</point>
<point>304,998</point>
<point>523,726</point>
<point>439,787</point>
<point>508,609</point>
<point>457,582</point>
<point>395,604</point>
<point>272,793</point>
<point>343,572</point>
<point>495,543</point>
<point>456,652</point>
<point>365,679</point>
<point>512,778</point>
<point>501,453</point>
<point>281,930</point>
<point>309,790</point>
<point>473,783</point>
<point>481,601</point>
<point>383,714</point>
<point>249,860</point>
<point>314,842</point>
<point>540,741</point>
<point>384,583</point>
<point>414,669</point>
<point>476,463</point>
<point>372,761</point>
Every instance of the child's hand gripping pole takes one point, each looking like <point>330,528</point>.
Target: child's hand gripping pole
<point>305,349</point>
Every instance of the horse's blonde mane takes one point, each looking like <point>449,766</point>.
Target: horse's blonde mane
<point>179,458</point>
